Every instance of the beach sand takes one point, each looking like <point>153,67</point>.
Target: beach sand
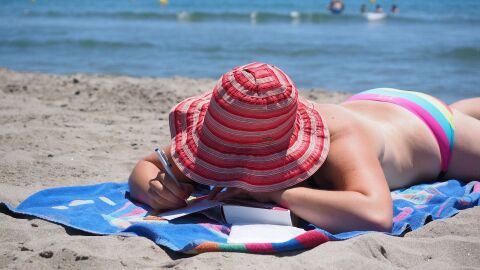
<point>85,129</point>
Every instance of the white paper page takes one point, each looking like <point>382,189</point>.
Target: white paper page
<point>262,233</point>
<point>196,207</point>
<point>235,214</point>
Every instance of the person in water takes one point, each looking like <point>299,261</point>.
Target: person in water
<point>378,9</point>
<point>331,165</point>
<point>395,9</point>
<point>336,6</point>
<point>363,8</point>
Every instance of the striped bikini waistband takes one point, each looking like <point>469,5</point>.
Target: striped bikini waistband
<point>434,113</point>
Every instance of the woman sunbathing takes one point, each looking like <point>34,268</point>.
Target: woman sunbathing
<point>331,165</point>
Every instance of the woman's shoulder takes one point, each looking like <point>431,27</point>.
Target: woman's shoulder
<point>347,125</point>
<point>355,145</point>
<point>340,119</point>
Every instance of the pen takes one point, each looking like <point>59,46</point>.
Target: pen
<point>162,157</point>
<point>167,167</point>
<point>166,164</point>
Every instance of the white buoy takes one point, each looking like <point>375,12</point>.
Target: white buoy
<point>295,14</point>
<point>183,16</point>
<point>253,17</point>
<point>374,16</point>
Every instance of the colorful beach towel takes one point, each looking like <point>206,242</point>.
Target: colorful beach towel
<point>106,209</point>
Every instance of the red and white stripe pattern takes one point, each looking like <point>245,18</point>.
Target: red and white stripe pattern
<point>251,132</point>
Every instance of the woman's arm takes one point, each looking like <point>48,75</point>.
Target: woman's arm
<point>148,184</point>
<point>337,211</point>
<point>361,199</point>
<point>334,211</point>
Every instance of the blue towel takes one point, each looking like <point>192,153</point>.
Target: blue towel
<point>106,209</point>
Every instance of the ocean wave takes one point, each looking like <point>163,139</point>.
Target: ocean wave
<point>287,51</point>
<point>198,16</point>
<point>84,43</point>
<point>256,16</point>
<point>432,19</point>
<point>465,53</point>
<point>99,14</point>
<point>284,50</point>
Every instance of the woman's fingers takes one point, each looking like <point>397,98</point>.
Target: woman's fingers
<point>161,191</point>
<point>188,189</point>
<point>174,187</point>
<point>157,202</point>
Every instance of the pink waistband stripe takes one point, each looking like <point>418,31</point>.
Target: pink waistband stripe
<point>444,137</point>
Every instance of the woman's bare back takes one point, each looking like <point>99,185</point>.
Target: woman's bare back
<point>406,148</point>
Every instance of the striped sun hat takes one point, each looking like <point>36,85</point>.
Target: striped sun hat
<point>252,131</point>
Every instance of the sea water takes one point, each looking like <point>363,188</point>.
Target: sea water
<point>431,46</point>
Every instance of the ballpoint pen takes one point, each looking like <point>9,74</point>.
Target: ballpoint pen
<point>167,167</point>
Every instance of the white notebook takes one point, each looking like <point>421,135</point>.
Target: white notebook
<point>262,233</point>
<point>237,212</point>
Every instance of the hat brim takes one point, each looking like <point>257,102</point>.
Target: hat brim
<point>192,151</point>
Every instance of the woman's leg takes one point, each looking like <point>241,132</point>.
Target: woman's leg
<point>469,106</point>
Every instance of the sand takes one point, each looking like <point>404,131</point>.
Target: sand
<point>84,129</point>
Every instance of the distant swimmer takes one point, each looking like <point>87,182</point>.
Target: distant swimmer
<point>336,6</point>
<point>395,9</point>
<point>363,8</point>
<point>378,9</point>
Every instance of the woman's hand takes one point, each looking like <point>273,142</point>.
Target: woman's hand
<point>164,193</point>
<point>148,184</point>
